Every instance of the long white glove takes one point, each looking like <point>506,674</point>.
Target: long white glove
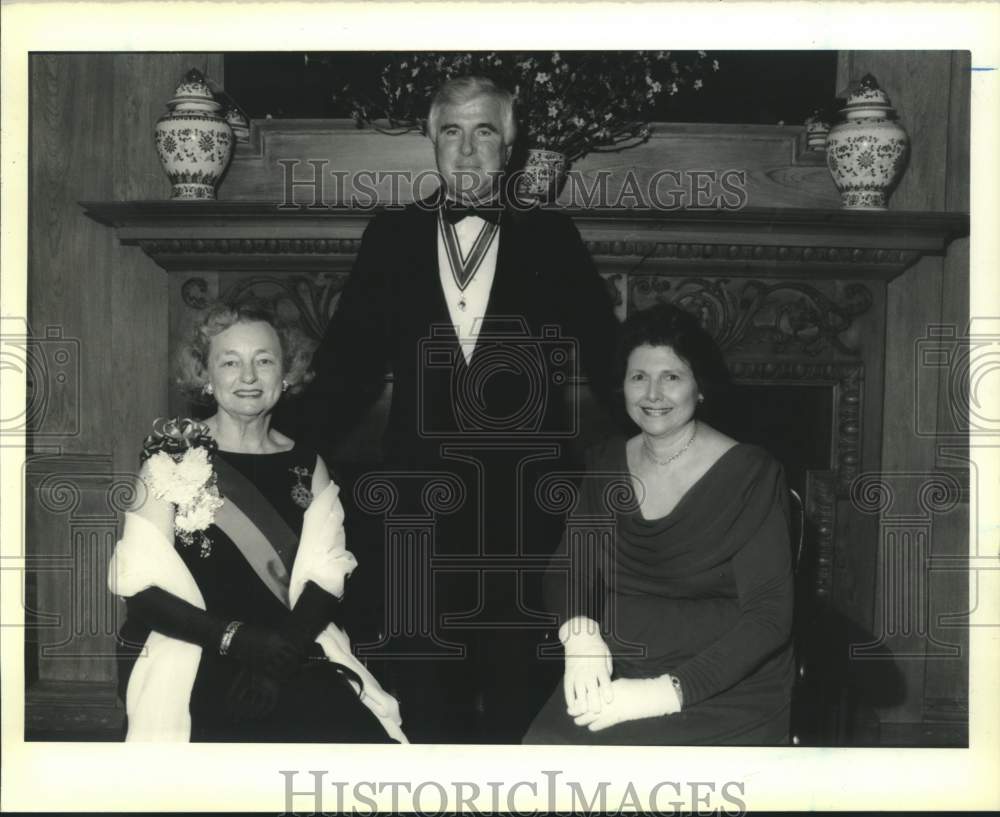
<point>337,646</point>
<point>587,677</point>
<point>634,698</point>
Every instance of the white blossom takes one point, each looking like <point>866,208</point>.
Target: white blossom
<point>187,485</point>
<point>199,514</point>
<point>161,473</point>
<point>178,482</point>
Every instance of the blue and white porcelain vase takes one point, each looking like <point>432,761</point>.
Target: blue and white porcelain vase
<point>867,152</point>
<point>817,130</point>
<point>194,140</point>
<point>543,176</point>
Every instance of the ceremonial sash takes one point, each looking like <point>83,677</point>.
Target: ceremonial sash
<point>249,519</point>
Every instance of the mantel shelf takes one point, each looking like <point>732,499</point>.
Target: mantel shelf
<point>782,242</point>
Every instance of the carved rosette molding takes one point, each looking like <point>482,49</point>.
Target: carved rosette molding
<point>194,293</point>
<point>784,317</point>
<point>847,380</point>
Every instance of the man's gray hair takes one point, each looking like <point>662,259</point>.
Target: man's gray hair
<point>462,89</point>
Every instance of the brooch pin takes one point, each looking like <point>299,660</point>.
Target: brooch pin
<point>301,495</point>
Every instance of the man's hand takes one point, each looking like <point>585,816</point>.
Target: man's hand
<point>634,698</point>
<point>587,677</point>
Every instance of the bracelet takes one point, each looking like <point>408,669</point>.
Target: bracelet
<point>227,636</point>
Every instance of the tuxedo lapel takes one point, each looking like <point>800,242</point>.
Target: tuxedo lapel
<point>426,298</point>
<point>513,281</point>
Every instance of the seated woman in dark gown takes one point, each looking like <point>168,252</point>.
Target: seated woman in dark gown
<point>233,561</point>
<point>687,637</point>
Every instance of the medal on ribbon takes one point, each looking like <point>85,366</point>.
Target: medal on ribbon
<point>463,268</point>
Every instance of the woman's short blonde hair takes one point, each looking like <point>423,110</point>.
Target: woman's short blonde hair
<point>192,356</point>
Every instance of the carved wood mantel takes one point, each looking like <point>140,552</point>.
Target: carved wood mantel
<point>783,242</point>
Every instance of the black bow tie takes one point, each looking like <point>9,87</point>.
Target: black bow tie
<point>455,212</point>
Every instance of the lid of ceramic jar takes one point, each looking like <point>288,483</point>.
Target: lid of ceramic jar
<point>867,96</point>
<point>193,90</point>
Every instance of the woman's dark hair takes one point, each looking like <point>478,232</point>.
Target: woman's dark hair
<point>192,356</point>
<point>668,325</point>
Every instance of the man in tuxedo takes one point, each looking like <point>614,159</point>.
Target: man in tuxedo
<point>484,310</point>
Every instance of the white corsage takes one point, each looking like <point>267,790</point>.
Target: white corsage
<point>180,472</point>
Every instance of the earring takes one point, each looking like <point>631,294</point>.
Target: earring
<point>701,398</point>
<point>284,385</point>
<point>207,389</point>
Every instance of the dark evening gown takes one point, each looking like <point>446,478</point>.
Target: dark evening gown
<point>316,705</point>
<point>707,591</point>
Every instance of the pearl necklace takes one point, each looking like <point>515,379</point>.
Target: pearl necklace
<point>647,449</point>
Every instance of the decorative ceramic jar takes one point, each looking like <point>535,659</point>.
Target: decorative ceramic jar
<point>193,139</point>
<point>817,129</point>
<point>238,122</point>
<point>867,152</point>
<point>543,175</point>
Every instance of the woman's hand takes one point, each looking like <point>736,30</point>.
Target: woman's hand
<point>634,698</point>
<point>587,677</point>
<point>267,651</point>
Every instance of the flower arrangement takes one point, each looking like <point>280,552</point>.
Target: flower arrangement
<point>180,471</point>
<point>574,103</point>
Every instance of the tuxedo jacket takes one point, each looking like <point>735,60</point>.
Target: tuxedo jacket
<point>549,320</point>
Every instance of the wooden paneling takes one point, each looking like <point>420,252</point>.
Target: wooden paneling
<point>930,90</point>
<point>777,172</point>
<point>71,525</point>
<point>69,277</point>
<point>91,121</point>
<point>959,132</point>
<point>946,696</point>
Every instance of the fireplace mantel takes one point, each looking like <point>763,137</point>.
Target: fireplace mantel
<point>777,242</point>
